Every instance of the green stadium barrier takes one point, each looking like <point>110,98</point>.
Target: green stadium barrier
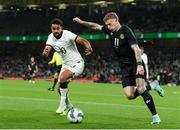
<point>168,35</point>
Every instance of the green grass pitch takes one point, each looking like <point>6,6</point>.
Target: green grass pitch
<point>24,105</point>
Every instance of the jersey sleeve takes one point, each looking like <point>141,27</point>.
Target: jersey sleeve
<point>71,35</point>
<point>129,35</point>
<point>49,41</point>
<point>106,30</point>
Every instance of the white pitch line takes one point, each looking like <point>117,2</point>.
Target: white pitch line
<point>175,93</point>
<point>86,102</point>
<point>91,94</point>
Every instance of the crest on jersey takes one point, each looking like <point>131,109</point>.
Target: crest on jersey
<point>121,36</point>
<point>60,49</point>
<point>56,48</point>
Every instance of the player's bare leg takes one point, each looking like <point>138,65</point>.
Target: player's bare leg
<point>132,92</point>
<point>129,92</point>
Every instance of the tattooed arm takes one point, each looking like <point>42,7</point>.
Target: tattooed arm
<point>137,52</point>
<point>140,82</point>
<point>90,25</point>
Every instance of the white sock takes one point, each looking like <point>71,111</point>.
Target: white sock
<point>68,103</point>
<point>63,98</point>
<point>63,92</point>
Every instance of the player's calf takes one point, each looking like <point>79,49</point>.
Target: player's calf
<point>149,102</point>
<point>131,92</point>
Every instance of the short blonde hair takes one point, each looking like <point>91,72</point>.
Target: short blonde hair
<point>110,15</point>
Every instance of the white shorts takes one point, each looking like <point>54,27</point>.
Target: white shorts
<point>76,68</point>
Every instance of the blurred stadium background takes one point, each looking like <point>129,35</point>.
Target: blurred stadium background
<point>25,24</point>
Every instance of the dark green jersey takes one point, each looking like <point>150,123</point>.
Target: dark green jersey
<point>121,42</point>
<point>32,66</point>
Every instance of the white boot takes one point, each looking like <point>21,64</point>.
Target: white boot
<point>155,119</point>
<point>155,86</point>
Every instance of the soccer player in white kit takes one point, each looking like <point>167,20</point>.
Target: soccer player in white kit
<point>64,42</point>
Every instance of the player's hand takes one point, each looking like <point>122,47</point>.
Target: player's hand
<point>140,70</point>
<point>88,50</point>
<point>45,53</point>
<point>76,19</point>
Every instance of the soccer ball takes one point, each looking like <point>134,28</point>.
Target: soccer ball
<point>75,115</point>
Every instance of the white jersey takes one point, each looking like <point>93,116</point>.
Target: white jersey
<point>145,60</point>
<point>66,47</point>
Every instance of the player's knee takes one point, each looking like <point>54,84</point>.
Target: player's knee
<point>130,96</point>
<point>62,79</point>
<point>141,89</point>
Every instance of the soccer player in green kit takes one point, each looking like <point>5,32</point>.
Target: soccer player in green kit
<point>125,46</point>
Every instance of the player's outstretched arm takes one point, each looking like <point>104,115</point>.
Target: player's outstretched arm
<point>86,44</point>
<point>90,25</point>
<point>46,50</point>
